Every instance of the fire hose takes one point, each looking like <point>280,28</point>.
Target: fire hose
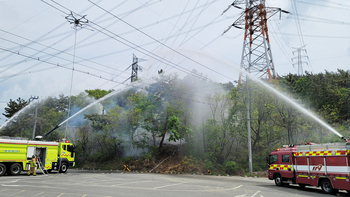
<point>39,163</point>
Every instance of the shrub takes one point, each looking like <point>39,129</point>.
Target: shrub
<point>229,167</point>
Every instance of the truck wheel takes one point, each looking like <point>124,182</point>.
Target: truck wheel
<point>15,169</point>
<point>326,186</point>
<point>64,167</point>
<point>302,186</point>
<point>2,169</point>
<point>278,180</point>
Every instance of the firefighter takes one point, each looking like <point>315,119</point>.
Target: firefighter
<point>32,166</point>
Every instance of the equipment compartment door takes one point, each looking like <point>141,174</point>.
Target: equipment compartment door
<point>287,166</point>
<point>302,170</point>
<point>30,152</point>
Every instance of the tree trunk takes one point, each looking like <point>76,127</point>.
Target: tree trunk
<point>161,141</point>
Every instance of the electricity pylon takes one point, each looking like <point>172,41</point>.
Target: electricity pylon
<point>299,59</point>
<point>256,53</point>
<point>134,68</point>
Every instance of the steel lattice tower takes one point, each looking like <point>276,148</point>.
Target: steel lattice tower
<point>299,59</point>
<point>256,53</point>
<point>134,68</point>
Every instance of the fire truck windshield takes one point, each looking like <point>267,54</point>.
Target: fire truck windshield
<point>70,148</point>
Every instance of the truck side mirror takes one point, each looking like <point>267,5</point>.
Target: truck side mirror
<point>268,159</point>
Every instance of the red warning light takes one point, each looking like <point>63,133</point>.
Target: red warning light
<point>67,141</point>
<point>277,149</point>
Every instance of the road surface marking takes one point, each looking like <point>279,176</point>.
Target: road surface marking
<point>19,192</point>
<point>168,185</point>
<point>133,182</point>
<point>234,188</point>
<point>60,195</point>
<point>39,194</point>
<point>31,186</point>
<point>12,181</point>
<point>255,193</point>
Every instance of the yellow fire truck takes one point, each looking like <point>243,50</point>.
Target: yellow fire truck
<point>16,153</point>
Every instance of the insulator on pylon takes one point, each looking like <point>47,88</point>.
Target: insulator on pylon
<point>226,30</point>
<point>226,9</point>
<point>236,26</point>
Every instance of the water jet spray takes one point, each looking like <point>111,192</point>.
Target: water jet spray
<point>279,94</point>
<point>88,106</point>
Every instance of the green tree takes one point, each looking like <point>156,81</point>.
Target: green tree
<point>97,94</point>
<point>14,106</point>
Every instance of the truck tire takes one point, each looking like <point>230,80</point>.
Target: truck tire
<point>278,180</point>
<point>15,169</point>
<point>64,167</point>
<point>302,186</point>
<point>2,169</point>
<point>326,186</point>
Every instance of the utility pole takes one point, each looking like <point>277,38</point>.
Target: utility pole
<point>256,54</point>
<point>36,113</point>
<point>135,68</point>
<point>299,58</point>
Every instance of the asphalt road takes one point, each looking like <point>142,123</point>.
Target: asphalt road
<point>84,183</point>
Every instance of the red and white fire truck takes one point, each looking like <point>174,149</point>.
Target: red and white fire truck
<point>325,165</point>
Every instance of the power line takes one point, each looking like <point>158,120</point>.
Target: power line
<point>336,3</point>
<point>149,53</point>
<point>87,73</point>
<point>195,19</point>
<point>41,57</point>
<point>320,20</point>
<point>327,6</point>
<point>42,37</point>
<point>153,39</point>
<point>167,38</point>
<point>300,70</point>
<point>55,64</point>
<point>125,14</point>
<point>280,45</point>
<point>158,41</point>
<point>312,36</point>
<point>30,66</point>
<point>298,24</point>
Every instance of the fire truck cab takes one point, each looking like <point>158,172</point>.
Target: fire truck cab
<point>325,165</point>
